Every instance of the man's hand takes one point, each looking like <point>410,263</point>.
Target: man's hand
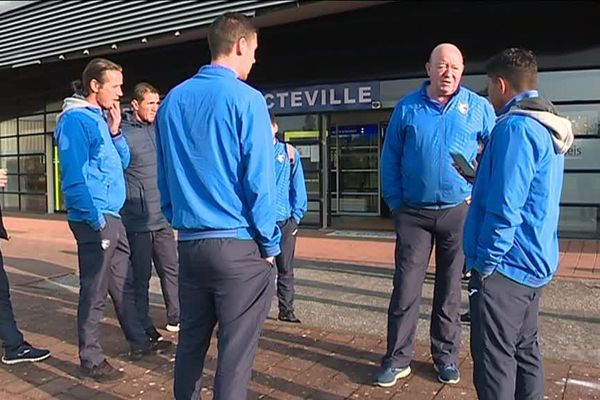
<point>114,118</point>
<point>3,178</point>
<point>270,260</point>
<point>469,179</point>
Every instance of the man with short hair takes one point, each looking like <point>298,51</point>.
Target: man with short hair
<point>16,349</point>
<point>215,171</point>
<point>291,206</point>
<point>428,198</point>
<point>510,236</point>
<point>93,154</point>
<point>150,236</point>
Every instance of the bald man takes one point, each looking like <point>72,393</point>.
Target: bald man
<point>428,199</point>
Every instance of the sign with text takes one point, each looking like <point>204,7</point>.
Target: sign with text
<point>322,98</point>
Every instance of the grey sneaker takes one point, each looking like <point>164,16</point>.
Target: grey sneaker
<point>387,377</point>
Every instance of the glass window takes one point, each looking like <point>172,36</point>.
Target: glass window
<point>33,164</point>
<point>31,124</point>
<point>9,201</point>
<point>35,203</point>
<point>33,184</point>
<point>581,188</point>
<point>32,144</point>
<point>10,164</point>
<point>8,145</point>
<point>12,184</point>
<point>584,117</point>
<point>51,122</point>
<point>8,128</point>
<point>578,220</point>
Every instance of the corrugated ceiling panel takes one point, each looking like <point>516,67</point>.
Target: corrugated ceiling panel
<point>45,31</point>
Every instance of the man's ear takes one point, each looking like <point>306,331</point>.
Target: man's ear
<point>95,86</point>
<point>135,105</point>
<point>427,67</point>
<point>240,46</point>
<point>502,85</point>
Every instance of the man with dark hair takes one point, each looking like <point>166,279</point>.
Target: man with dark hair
<point>510,235</point>
<point>93,154</point>
<point>291,206</point>
<point>215,175</point>
<point>150,236</point>
<point>428,199</point>
<point>16,349</point>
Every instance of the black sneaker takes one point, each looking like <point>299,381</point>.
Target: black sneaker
<point>149,348</point>
<point>153,335</point>
<point>288,316</point>
<point>25,353</point>
<point>102,373</point>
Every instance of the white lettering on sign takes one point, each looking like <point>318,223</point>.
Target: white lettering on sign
<point>337,96</point>
<point>364,94</point>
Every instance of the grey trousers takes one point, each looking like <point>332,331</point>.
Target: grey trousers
<point>416,232</point>
<point>104,270</point>
<point>158,247</point>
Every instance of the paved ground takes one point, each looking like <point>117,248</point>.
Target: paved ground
<point>331,356</point>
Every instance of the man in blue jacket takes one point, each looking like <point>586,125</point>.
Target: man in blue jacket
<point>93,154</point>
<point>217,186</point>
<point>291,206</point>
<point>427,197</point>
<point>510,236</point>
<point>150,236</point>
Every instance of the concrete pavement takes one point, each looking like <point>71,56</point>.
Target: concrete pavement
<point>332,355</point>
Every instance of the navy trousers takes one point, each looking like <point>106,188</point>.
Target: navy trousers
<point>10,335</point>
<point>416,232</point>
<point>507,362</point>
<point>158,247</point>
<point>104,270</point>
<point>285,265</point>
<point>222,281</point>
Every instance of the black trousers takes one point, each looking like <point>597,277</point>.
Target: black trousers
<point>285,267</point>
<point>224,281</point>
<point>10,335</point>
<point>507,363</point>
<point>416,232</point>
<point>158,247</point>
<point>104,269</point>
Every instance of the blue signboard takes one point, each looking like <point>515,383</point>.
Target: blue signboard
<point>322,98</point>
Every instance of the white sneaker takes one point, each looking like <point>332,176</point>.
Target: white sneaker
<point>172,328</point>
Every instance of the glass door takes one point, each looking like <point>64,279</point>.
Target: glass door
<point>354,169</point>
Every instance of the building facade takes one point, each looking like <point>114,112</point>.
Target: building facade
<point>331,73</point>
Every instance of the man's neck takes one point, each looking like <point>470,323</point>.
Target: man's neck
<point>92,100</point>
<point>227,63</point>
<point>437,97</point>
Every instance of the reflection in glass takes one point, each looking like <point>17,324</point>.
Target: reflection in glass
<point>33,164</point>
<point>9,201</point>
<point>31,124</point>
<point>36,203</point>
<point>578,220</point>
<point>8,146</point>
<point>10,164</point>
<point>33,183</point>
<point>32,144</point>
<point>8,128</point>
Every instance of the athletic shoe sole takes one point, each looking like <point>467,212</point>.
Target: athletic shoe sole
<point>401,374</point>
<point>22,360</point>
